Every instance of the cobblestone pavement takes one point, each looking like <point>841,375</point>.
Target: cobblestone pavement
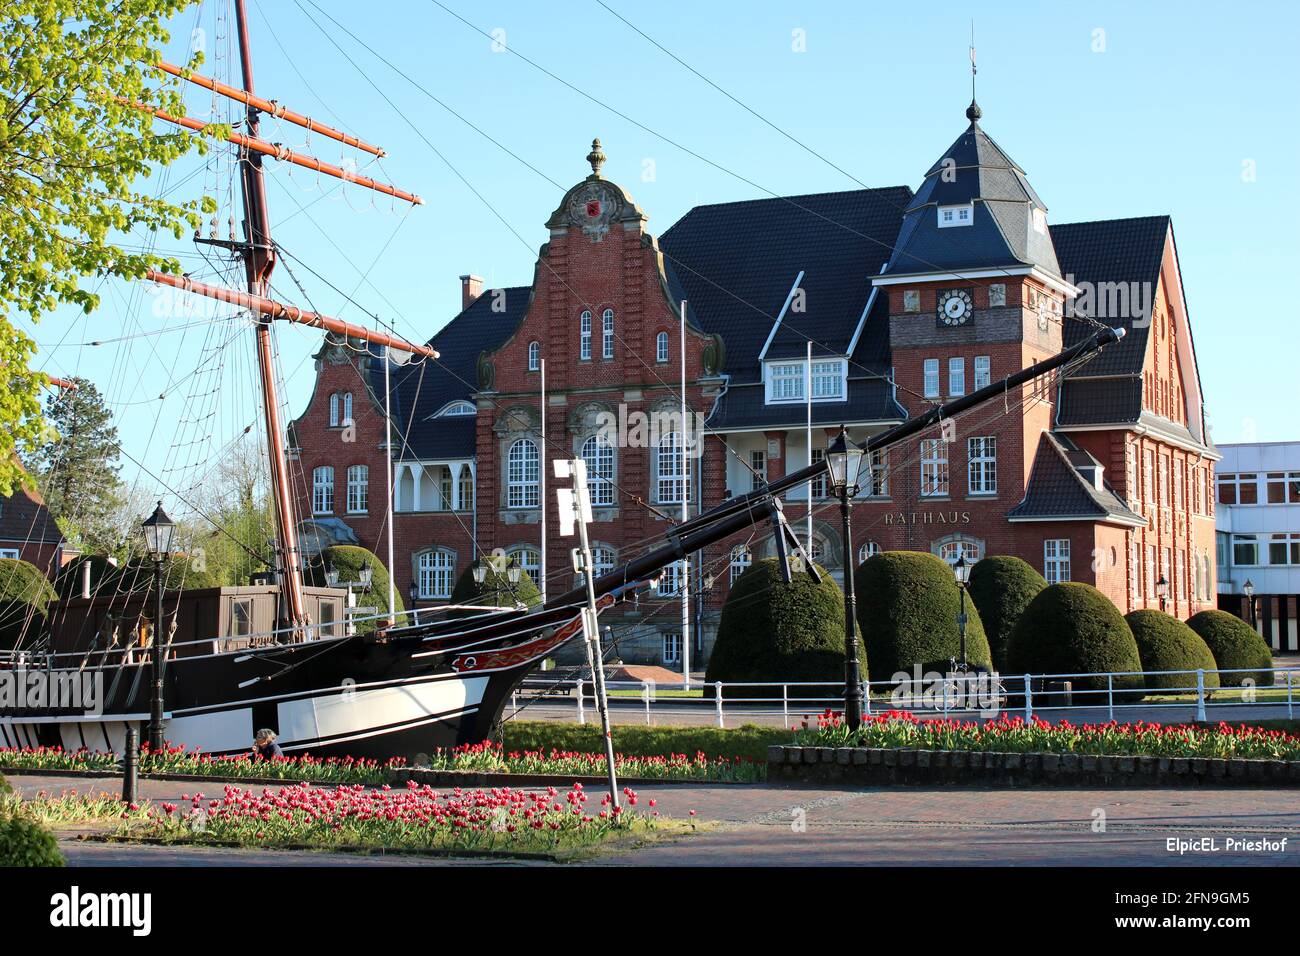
<point>782,826</point>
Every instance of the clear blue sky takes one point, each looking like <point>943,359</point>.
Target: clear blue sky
<point>1161,121</point>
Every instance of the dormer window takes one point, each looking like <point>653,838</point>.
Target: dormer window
<point>785,381</point>
<point>962,215</point>
<point>453,409</point>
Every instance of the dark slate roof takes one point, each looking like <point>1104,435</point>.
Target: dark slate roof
<point>973,169</point>
<point>736,262</point>
<point>24,517</point>
<point>870,400</point>
<point>1058,490</point>
<point>422,389</point>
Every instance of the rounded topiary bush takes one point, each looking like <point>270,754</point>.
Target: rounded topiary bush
<point>1167,644</point>
<point>25,597</point>
<point>1002,587</point>
<point>24,842</point>
<point>908,603</point>
<point>775,632</point>
<point>181,572</point>
<point>348,560</point>
<point>496,588</point>
<point>1234,644</point>
<point>68,580</point>
<point>1073,628</point>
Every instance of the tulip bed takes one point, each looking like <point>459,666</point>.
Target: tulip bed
<point>414,819</point>
<point>489,757</point>
<point>176,760</point>
<point>70,807</point>
<point>1007,734</point>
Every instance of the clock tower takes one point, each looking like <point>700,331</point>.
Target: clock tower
<point>975,293</point>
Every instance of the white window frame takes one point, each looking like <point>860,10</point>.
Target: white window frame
<point>584,336</point>
<point>322,490</point>
<point>347,409</point>
<point>523,470</point>
<point>13,553</point>
<point>598,453</point>
<point>1056,560</point>
<point>879,462</point>
<point>670,580</point>
<point>757,468</point>
<point>534,356</point>
<point>820,484</point>
<point>661,348</point>
<point>358,492</point>
<point>334,409</point>
<point>784,381</point>
<point>982,465</point>
<point>828,380</point>
<point>983,372</point>
<point>672,470</point>
<point>530,560</point>
<point>741,559</point>
<point>934,468</point>
<point>435,574</point>
<point>868,549</point>
<point>930,377</point>
<point>456,409</point>
<point>607,334</point>
<point>953,216</point>
<point>956,376</point>
<point>1290,544</point>
<point>672,644</point>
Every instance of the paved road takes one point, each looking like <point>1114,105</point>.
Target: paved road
<point>772,825</point>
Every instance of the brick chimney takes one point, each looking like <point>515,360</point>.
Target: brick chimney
<point>471,287</point>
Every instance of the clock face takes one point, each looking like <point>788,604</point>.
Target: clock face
<point>954,307</point>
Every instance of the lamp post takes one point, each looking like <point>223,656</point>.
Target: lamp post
<point>1249,589</point>
<point>844,459</point>
<point>158,530</point>
<point>1162,591</point>
<point>961,571</point>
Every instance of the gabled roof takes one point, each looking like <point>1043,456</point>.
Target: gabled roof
<point>737,262</point>
<point>25,518</point>
<point>1059,491</point>
<point>974,169</point>
<point>422,389</point>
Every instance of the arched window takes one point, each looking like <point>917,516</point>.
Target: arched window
<point>522,475</point>
<point>950,549</point>
<point>673,469</point>
<point>584,336</point>
<point>661,347</point>
<point>334,409</point>
<point>741,559</point>
<point>530,559</point>
<point>434,571</point>
<point>602,560</point>
<point>358,489</point>
<point>456,408</point>
<point>598,453</point>
<point>466,488</point>
<point>347,408</point>
<point>534,356</point>
<point>867,550</point>
<point>322,490</point>
<point>607,334</point>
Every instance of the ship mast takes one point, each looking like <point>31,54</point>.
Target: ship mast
<point>259,259</point>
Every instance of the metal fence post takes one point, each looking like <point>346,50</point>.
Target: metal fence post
<point>1110,696</point>
<point>645,693</point>
<point>945,695</point>
<point>130,767</point>
<point>717,688</point>
<point>1289,684</point>
<point>1200,694</point>
<point>514,700</point>
<point>785,705</point>
<point>582,716</point>
<point>1029,698</point>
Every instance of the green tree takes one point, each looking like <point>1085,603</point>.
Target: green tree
<point>77,472</point>
<point>1236,646</point>
<point>1170,648</point>
<point>771,632</point>
<point>1073,628</point>
<point>72,146</point>
<point>348,560</point>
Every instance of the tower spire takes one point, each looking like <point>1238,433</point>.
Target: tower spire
<point>973,112</point>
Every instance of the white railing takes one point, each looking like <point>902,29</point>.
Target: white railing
<point>971,696</point>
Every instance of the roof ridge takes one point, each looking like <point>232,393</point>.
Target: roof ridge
<point>783,198</point>
<point>1093,222</point>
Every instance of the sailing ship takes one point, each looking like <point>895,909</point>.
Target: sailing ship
<point>407,688</point>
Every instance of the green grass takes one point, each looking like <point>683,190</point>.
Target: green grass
<point>657,693</point>
<point>748,741</point>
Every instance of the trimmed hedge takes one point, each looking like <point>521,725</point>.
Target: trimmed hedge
<point>348,560</point>
<point>631,740</point>
<point>25,597</point>
<point>26,843</point>
<point>771,631</point>
<point>1234,644</point>
<point>907,607</point>
<point>1002,587</point>
<point>1167,644</point>
<point>496,589</point>
<point>1073,628</point>
<point>67,581</point>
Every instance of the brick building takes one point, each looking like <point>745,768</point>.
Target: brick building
<point>29,532</point>
<point>1102,474</point>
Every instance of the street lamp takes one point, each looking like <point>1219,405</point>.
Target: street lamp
<point>514,572</point>
<point>1162,591</point>
<point>1249,589</point>
<point>331,575</point>
<point>961,571</point>
<point>844,460</point>
<point>158,532</point>
<point>480,572</point>
<point>366,575</point>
